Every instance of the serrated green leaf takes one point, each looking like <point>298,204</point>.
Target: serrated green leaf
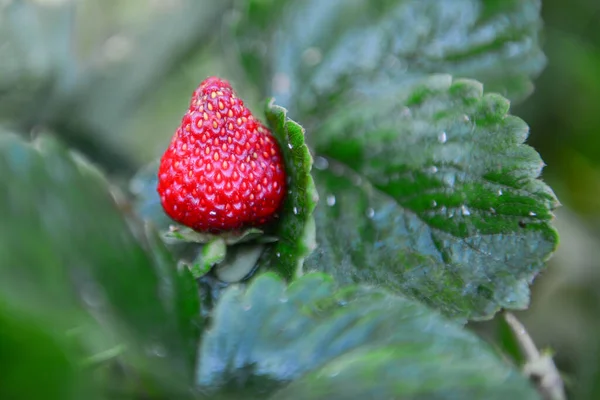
<point>310,54</point>
<point>296,229</point>
<point>313,341</point>
<point>71,261</point>
<point>433,194</point>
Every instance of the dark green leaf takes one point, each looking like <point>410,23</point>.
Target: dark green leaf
<point>70,260</point>
<point>179,293</point>
<point>433,194</point>
<point>313,341</point>
<point>311,53</point>
<point>296,227</point>
<point>34,365</point>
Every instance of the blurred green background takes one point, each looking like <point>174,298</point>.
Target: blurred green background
<point>121,45</point>
<point>564,116</point>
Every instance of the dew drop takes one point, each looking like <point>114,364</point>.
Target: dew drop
<point>321,163</point>
<point>466,118</point>
<point>433,169</point>
<point>499,192</point>
<point>433,203</point>
<point>278,254</point>
<point>442,137</point>
<point>157,350</point>
<point>465,211</point>
<point>212,213</point>
<point>296,210</point>
<point>291,146</point>
<point>330,200</point>
<point>532,214</point>
<point>370,213</point>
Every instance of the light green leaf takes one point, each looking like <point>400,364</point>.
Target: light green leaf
<point>433,194</point>
<point>69,260</point>
<point>313,341</point>
<point>295,229</point>
<point>310,54</point>
<point>240,262</point>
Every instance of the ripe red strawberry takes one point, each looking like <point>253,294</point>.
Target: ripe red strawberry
<point>223,169</point>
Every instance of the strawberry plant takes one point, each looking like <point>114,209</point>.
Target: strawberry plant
<point>324,231</point>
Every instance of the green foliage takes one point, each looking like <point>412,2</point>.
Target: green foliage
<point>26,352</point>
<point>310,53</point>
<point>430,208</point>
<point>313,341</point>
<point>296,231</point>
<point>437,197</point>
<point>70,260</point>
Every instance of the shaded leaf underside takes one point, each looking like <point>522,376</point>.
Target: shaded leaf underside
<point>313,341</point>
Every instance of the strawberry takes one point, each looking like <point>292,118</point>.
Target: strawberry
<point>223,169</point>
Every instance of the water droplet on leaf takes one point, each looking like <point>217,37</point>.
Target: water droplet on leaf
<point>157,350</point>
<point>331,200</point>
<point>442,137</point>
<point>321,163</point>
